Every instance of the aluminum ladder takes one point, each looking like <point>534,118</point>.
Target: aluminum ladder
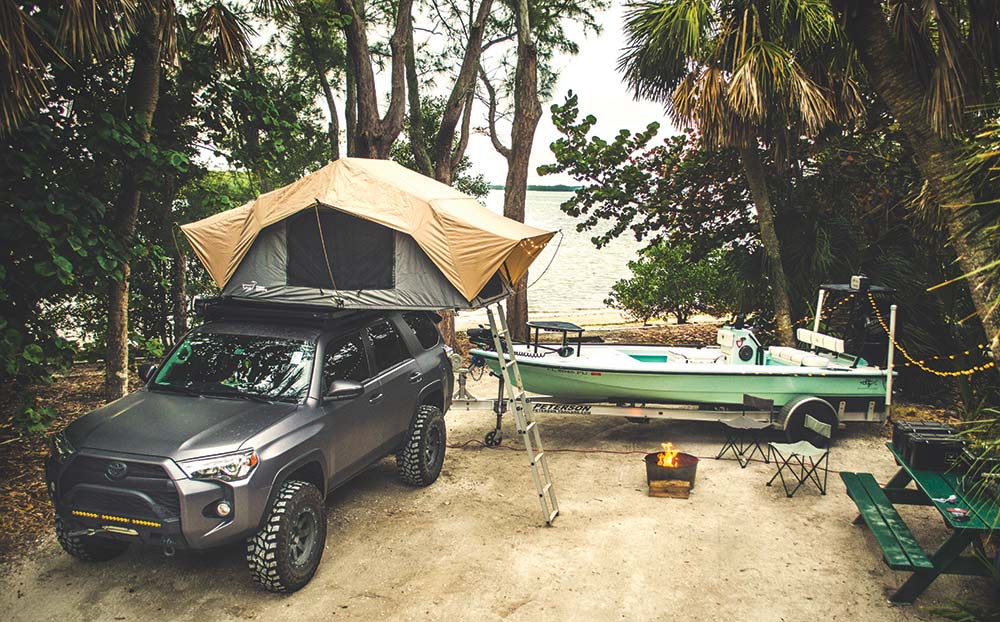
<point>523,414</point>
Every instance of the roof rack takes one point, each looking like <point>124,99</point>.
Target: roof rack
<point>214,309</point>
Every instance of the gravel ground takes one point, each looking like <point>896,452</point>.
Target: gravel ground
<point>474,545</point>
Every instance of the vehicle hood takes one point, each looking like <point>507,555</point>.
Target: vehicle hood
<point>173,426</point>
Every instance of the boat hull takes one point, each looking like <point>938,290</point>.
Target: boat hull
<point>717,386</point>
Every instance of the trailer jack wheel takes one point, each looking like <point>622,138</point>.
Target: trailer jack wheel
<point>493,438</point>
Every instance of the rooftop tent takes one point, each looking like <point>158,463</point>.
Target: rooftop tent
<point>368,234</point>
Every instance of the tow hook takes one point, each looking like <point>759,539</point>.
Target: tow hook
<point>168,546</point>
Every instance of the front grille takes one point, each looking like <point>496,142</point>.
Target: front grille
<point>96,467</point>
<point>84,485</point>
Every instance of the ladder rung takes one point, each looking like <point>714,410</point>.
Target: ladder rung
<point>538,458</point>
<point>509,364</point>
<point>552,516</point>
<point>545,489</point>
<point>528,427</point>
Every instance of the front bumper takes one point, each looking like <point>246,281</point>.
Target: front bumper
<point>154,503</point>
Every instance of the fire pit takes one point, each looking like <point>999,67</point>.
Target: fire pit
<point>670,465</point>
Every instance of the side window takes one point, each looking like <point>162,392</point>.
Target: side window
<point>427,333</point>
<point>388,347</point>
<point>345,359</point>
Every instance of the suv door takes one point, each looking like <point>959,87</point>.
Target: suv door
<point>398,375</point>
<point>357,428</point>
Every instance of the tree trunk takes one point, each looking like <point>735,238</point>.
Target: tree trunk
<point>143,94</point>
<point>351,110</point>
<point>754,171</point>
<point>333,130</point>
<point>178,287</point>
<point>897,86</point>
<point>527,112</point>
<point>373,136</point>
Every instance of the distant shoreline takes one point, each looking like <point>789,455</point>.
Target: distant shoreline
<point>541,188</point>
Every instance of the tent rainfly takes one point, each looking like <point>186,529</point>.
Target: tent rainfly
<point>365,234</point>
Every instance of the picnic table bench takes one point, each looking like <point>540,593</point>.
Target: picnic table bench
<point>900,548</point>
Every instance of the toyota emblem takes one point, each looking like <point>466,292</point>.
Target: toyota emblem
<point>116,471</point>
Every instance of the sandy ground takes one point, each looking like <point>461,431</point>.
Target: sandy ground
<point>473,546</point>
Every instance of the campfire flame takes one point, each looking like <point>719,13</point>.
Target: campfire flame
<point>667,457</point>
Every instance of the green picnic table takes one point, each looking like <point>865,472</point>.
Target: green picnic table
<point>900,549</point>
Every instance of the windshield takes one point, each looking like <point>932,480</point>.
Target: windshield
<point>240,366</point>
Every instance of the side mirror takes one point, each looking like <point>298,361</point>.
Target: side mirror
<point>343,390</point>
<point>147,371</point>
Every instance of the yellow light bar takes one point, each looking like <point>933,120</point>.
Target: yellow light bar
<point>119,519</point>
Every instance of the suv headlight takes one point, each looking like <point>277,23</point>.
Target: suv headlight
<point>60,447</point>
<point>227,467</point>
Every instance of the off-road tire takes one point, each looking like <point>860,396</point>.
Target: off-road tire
<point>88,548</point>
<point>270,553</point>
<point>419,461</point>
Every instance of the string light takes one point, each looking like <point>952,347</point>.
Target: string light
<point>920,364</point>
<point>826,311</point>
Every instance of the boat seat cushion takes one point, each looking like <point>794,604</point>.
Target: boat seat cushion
<point>794,356</point>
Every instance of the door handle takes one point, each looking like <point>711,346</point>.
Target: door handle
<point>375,399</point>
<point>416,377</point>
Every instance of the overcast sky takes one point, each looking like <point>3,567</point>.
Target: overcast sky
<point>593,75</point>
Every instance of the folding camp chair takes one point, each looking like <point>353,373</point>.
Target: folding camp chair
<point>743,433</point>
<point>804,461</point>
<point>743,440</point>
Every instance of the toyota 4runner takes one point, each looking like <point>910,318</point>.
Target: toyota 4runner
<point>243,429</point>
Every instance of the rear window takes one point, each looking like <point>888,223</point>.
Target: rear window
<point>425,329</point>
<point>389,349</point>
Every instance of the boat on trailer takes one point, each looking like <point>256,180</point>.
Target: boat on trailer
<point>779,384</point>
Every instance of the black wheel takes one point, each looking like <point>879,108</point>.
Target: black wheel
<point>88,548</point>
<point>493,438</point>
<point>285,553</point>
<point>420,460</point>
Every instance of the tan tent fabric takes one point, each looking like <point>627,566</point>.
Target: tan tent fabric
<point>468,242</point>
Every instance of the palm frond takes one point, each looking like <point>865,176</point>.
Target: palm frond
<point>229,30</point>
<point>273,8</point>
<point>661,38</point>
<point>96,27</point>
<point>22,48</point>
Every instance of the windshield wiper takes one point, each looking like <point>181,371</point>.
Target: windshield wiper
<point>174,388</point>
<point>243,395</point>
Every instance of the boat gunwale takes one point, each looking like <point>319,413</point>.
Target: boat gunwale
<point>704,369</point>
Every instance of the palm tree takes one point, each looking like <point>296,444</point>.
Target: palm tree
<point>148,29</point>
<point>746,74</point>
<point>928,61</point>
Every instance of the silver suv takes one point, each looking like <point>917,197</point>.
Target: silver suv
<point>244,428</point>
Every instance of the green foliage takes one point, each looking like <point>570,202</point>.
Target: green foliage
<point>265,121</point>
<point>665,281</point>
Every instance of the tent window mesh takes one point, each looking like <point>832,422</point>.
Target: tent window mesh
<point>361,253</point>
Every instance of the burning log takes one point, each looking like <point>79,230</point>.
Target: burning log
<point>672,488</point>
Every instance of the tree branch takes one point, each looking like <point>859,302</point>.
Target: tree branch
<point>491,115</point>
<point>464,84</point>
